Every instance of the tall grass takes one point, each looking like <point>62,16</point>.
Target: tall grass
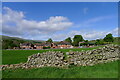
<point>108,70</point>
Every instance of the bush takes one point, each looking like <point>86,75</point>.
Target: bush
<point>46,47</point>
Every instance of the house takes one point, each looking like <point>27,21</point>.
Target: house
<point>91,44</point>
<point>26,46</point>
<point>46,45</point>
<point>38,46</point>
<point>64,44</point>
<point>81,46</point>
<point>43,45</point>
<point>54,45</point>
<point>81,42</point>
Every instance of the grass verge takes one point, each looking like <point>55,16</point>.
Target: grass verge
<point>107,70</point>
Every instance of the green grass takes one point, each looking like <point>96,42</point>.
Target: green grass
<point>18,56</point>
<point>108,70</point>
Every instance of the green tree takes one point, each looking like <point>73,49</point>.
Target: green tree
<point>86,41</point>
<point>109,38</point>
<point>49,40</point>
<point>77,39</point>
<point>68,40</point>
<point>99,42</point>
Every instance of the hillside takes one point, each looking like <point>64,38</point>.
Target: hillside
<point>10,42</point>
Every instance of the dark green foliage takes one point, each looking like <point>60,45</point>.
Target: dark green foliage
<point>68,40</point>
<point>109,38</point>
<point>49,40</point>
<point>99,42</point>
<point>86,41</point>
<point>46,47</point>
<point>77,39</point>
<point>84,44</point>
<point>11,42</point>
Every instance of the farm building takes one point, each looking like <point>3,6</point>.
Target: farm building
<point>64,44</point>
<point>26,46</point>
<point>46,45</point>
<point>38,46</point>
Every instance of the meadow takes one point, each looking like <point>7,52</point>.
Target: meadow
<point>108,70</point>
<point>20,56</point>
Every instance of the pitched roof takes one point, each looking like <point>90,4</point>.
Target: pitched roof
<point>64,43</point>
<point>26,44</point>
<point>43,44</point>
<point>38,44</point>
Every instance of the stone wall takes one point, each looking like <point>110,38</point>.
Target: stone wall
<point>64,60</point>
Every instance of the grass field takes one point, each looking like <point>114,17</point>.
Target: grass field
<point>18,56</point>
<point>108,70</point>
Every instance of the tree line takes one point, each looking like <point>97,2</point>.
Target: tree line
<point>10,43</point>
<point>78,38</point>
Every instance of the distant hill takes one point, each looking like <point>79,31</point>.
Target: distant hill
<point>8,37</point>
<point>10,42</point>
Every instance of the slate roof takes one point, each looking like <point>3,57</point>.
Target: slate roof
<point>26,44</point>
<point>43,44</point>
<point>46,44</point>
<point>64,43</point>
<point>39,44</point>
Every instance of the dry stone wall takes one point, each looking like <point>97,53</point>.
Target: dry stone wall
<point>64,60</point>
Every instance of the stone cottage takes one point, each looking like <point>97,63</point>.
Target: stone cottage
<point>26,46</point>
<point>64,44</point>
<point>38,46</point>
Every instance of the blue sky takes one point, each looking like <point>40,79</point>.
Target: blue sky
<point>91,19</point>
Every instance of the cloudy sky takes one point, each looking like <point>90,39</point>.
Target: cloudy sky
<point>40,21</point>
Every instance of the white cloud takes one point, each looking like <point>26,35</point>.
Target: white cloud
<point>15,24</point>
<point>87,34</point>
<point>60,36</point>
<point>116,31</point>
